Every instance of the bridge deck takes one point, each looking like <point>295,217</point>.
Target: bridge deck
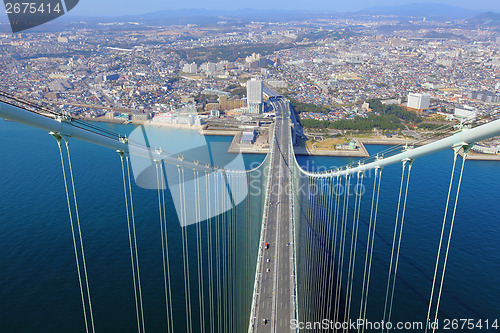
<point>274,307</point>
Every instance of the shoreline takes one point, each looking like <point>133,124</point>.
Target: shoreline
<point>473,156</point>
<point>359,152</point>
<point>144,122</point>
<point>235,147</point>
<point>219,132</point>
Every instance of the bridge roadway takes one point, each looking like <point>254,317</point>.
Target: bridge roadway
<point>275,299</point>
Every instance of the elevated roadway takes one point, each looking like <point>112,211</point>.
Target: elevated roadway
<point>276,296</point>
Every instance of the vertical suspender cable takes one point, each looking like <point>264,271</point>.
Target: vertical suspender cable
<point>80,236</point>
<point>237,268</point>
<point>163,181</point>
<point>340,255</point>
<point>359,192</point>
<point>236,277</point>
<point>337,240</point>
<point>235,280</point>
<point>394,240</point>
<point>351,248</point>
<point>308,249</point>
<point>327,192</point>
<point>160,189</point>
<point>374,191</point>
<point>135,243</point>
<point>327,251</point>
<point>323,246</point>
<point>315,248</point>
<point>449,237</point>
<point>58,138</point>
<point>132,260</point>
<point>200,249</point>
<point>227,260</point>
<point>305,248</point>
<point>185,255</point>
<point>342,247</point>
<point>245,232</point>
<point>399,241</point>
<point>224,237</point>
<point>210,260</point>
<point>317,221</point>
<point>231,256</point>
<point>337,185</point>
<point>217,253</point>
<point>371,247</point>
<point>162,244</point>
<point>162,241</point>
<point>441,241</point>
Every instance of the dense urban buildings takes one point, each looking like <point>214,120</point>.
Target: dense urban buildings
<point>331,66</point>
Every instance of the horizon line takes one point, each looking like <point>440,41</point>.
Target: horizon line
<point>288,10</point>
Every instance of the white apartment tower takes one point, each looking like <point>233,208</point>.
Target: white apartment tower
<point>190,68</point>
<point>254,96</point>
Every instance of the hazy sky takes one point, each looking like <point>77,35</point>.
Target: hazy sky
<point>125,7</point>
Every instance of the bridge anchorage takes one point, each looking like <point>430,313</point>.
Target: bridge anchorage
<point>271,249</point>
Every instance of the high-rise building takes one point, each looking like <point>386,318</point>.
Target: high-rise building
<point>254,96</point>
<point>254,91</point>
<point>419,101</point>
<point>190,68</point>
<point>211,67</point>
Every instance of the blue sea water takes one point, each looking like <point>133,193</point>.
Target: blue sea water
<point>38,283</point>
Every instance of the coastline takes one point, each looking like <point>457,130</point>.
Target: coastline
<point>386,141</point>
<point>198,128</point>
<point>359,152</point>
<point>145,122</point>
<point>473,156</point>
<point>219,132</point>
<point>236,148</point>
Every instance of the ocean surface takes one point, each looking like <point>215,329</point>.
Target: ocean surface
<point>39,289</point>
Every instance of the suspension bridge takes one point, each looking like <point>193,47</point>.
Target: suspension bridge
<point>267,248</point>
